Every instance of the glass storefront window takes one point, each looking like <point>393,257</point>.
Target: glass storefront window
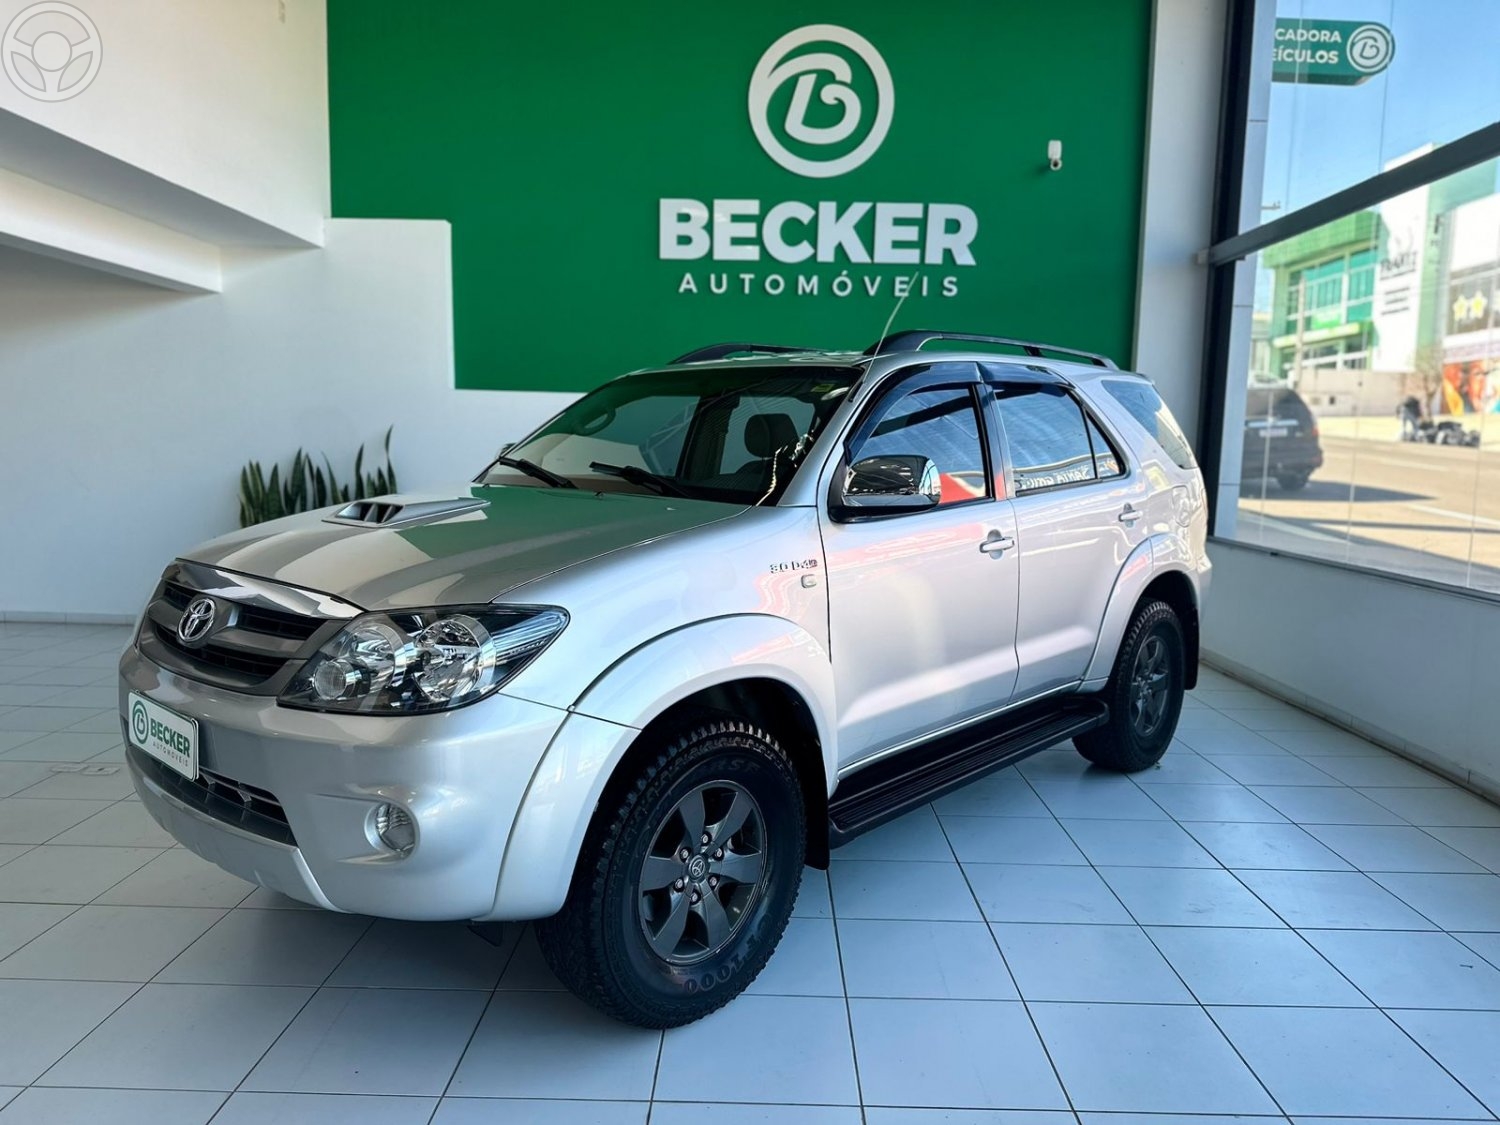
<point>1358,86</point>
<point>1369,429</point>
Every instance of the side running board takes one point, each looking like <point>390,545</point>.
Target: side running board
<point>888,788</point>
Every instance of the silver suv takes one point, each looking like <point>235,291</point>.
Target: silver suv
<point>707,624</point>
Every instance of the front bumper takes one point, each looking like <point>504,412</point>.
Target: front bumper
<point>462,775</point>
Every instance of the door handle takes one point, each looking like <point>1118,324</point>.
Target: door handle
<point>1130,514</point>
<point>997,543</point>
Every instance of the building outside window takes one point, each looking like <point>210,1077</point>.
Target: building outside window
<point>1362,363</point>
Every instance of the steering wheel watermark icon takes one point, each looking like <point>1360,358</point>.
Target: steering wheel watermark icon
<point>51,51</point>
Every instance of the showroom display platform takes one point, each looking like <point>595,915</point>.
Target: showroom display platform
<point>1281,921</point>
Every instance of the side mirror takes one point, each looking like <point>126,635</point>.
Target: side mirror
<point>895,484</point>
<point>506,448</point>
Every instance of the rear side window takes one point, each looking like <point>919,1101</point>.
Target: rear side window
<point>1107,463</point>
<point>1047,436</point>
<point>1146,407</point>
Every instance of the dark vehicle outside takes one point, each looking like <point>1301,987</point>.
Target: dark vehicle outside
<point>1281,438</point>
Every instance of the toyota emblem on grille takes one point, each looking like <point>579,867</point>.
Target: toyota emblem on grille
<point>196,621</point>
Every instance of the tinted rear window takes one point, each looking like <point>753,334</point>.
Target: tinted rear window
<point>1274,402</point>
<point>1146,407</point>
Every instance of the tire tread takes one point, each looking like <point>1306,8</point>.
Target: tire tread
<point>574,941</point>
<point>1113,745</point>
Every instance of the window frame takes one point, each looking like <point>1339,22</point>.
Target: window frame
<point>1231,243</point>
<point>1093,420</point>
<point>902,381</point>
<point>1120,449</point>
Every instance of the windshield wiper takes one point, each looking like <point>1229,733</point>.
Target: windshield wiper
<point>666,486</point>
<point>532,469</point>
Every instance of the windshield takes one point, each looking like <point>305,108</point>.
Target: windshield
<point>730,434</point>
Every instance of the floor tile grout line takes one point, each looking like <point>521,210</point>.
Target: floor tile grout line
<point>1172,818</point>
<point>311,995</point>
<point>48,841</point>
<point>1488,959</point>
<point>458,1060</point>
<point>1407,871</point>
<point>25,849</point>
<point>49,929</point>
<point>483,1011</point>
<point>1435,1060</point>
<point>217,922</point>
<point>1173,968</point>
<point>1190,1003</point>
<point>93,901</point>
<point>1336,969</point>
<point>838,949</point>
<point>57,1061</point>
<point>1016,984</point>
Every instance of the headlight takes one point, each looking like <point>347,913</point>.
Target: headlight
<point>422,660</point>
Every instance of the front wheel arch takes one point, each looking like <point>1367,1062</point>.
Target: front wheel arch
<point>773,705</point>
<point>589,754</point>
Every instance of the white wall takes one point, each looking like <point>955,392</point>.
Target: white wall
<point>1411,666</point>
<point>226,98</point>
<point>1182,134</point>
<point>127,411</point>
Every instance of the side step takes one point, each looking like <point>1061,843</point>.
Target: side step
<point>888,788</point>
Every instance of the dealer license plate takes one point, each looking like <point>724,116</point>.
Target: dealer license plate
<point>168,737</point>
<point>1274,431</point>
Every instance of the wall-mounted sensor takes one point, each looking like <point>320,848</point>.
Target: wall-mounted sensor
<point>1054,155</point>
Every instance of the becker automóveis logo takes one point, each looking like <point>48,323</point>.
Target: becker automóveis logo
<point>139,723</point>
<point>821,102</point>
<point>51,51</point>
<point>859,129</point>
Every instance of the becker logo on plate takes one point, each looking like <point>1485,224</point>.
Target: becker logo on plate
<point>140,722</point>
<point>170,738</point>
<point>781,64</point>
<point>197,621</point>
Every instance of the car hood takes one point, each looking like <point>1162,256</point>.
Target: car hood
<point>455,550</point>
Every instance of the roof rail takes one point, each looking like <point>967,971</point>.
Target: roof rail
<point>910,341</point>
<point>720,351</point>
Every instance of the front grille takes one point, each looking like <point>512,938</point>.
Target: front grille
<point>261,632</point>
<point>253,619</point>
<point>259,668</point>
<point>274,623</point>
<point>245,806</point>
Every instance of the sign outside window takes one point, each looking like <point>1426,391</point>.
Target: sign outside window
<point>1330,52</point>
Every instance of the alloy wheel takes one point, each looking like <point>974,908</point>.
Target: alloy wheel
<point>703,873</point>
<point>1149,682</point>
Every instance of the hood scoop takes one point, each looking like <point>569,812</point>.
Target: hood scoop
<point>391,511</point>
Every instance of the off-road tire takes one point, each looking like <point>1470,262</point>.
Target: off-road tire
<point>598,944</point>
<point>1121,744</point>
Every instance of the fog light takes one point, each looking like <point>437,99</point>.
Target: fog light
<point>394,826</point>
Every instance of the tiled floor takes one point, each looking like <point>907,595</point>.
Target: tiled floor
<point>1281,921</point>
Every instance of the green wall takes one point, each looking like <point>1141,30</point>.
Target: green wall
<point>547,136</point>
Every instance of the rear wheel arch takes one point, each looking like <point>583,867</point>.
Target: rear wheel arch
<point>1144,578</point>
<point>1177,590</point>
